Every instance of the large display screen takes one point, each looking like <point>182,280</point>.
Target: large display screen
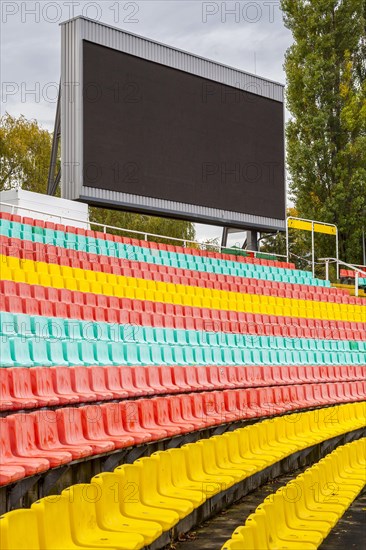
<point>154,131</point>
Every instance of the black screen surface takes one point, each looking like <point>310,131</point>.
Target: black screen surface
<point>159,132</point>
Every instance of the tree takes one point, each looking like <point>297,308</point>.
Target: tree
<point>326,95</point>
<point>25,150</point>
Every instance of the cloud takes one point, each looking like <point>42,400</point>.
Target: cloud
<point>248,35</point>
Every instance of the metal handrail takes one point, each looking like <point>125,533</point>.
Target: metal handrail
<point>339,262</point>
<point>133,231</point>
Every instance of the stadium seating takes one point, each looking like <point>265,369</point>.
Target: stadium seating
<point>154,493</point>
<point>298,516</point>
<point>108,343</point>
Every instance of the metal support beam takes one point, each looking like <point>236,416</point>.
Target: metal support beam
<point>53,178</point>
<point>225,232</point>
<point>252,240</point>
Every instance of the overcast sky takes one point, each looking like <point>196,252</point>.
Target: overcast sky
<point>248,35</point>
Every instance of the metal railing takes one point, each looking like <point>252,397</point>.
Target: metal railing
<point>144,234</point>
<point>355,268</point>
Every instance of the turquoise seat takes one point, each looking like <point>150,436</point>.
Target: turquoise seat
<point>20,352</point>
<point>66,351</point>
<point>101,352</point>
<point>39,353</point>
<point>86,353</point>
<point>6,359</point>
<point>116,353</point>
<point>8,324</point>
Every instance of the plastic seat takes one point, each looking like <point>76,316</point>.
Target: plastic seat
<point>47,438</point>
<point>54,524</point>
<point>148,421</point>
<point>163,417</point>
<point>93,421</point>
<point>22,438</point>
<point>22,388</point>
<point>84,526</point>
<point>114,382</point>
<point>131,422</point>
<point>13,527</point>
<point>97,383</point>
<point>8,400</point>
<point>30,465</point>
<point>71,424</point>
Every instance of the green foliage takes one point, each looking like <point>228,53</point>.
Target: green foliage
<point>25,150</point>
<point>326,95</point>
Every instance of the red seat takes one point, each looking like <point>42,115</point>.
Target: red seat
<point>127,382</point>
<point>23,443</point>
<point>242,405</point>
<point>22,387</point>
<point>43,385</point>
<point>191,378</point>
<point>199,411</point>
<point>162,416</point>
<point>148,421</point>
<point>30,466</point>
<point>175,409</point>
<point>188,414</point>
<point>81,385</point>
<point>70,424</point>
<point>94,428</point>
<point>131,422</point>
<point>173,378</point>
<point>153,379</point>
<point>113,426</point>
<point>202,378</point>
<point>12,390</point>
<point>47,438</point>
<point>10,474</point>
<point>231,405</point>
<point>139,376</point>
<point>217,376</point>
<point>6,400</point>
<point>113,381</point>
<point>97,381</point>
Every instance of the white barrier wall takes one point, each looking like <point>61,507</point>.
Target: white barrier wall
<point>45,207</point>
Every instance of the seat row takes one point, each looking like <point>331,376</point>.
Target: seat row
<point>28,388</point>
<point>46,439</point>
<point>31,272</point>
<point>295,515</point>
<point>132,506</point>
<point>54,302</point>
<point>50,328</point>
<point>35,351</point>
<point>142,270</point>
<point>161,257</point>
<point>243,257</point>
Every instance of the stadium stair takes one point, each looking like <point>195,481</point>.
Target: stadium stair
<point>301,514</point>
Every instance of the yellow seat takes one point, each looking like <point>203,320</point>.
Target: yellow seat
<point>165,483</point>
<point>132,504</point>
<point>202,468</point>
<point>150,494</point>
<point>109,512</point>
<point>54,527</point>
<point>83,519</point>
<point>19,531</point>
